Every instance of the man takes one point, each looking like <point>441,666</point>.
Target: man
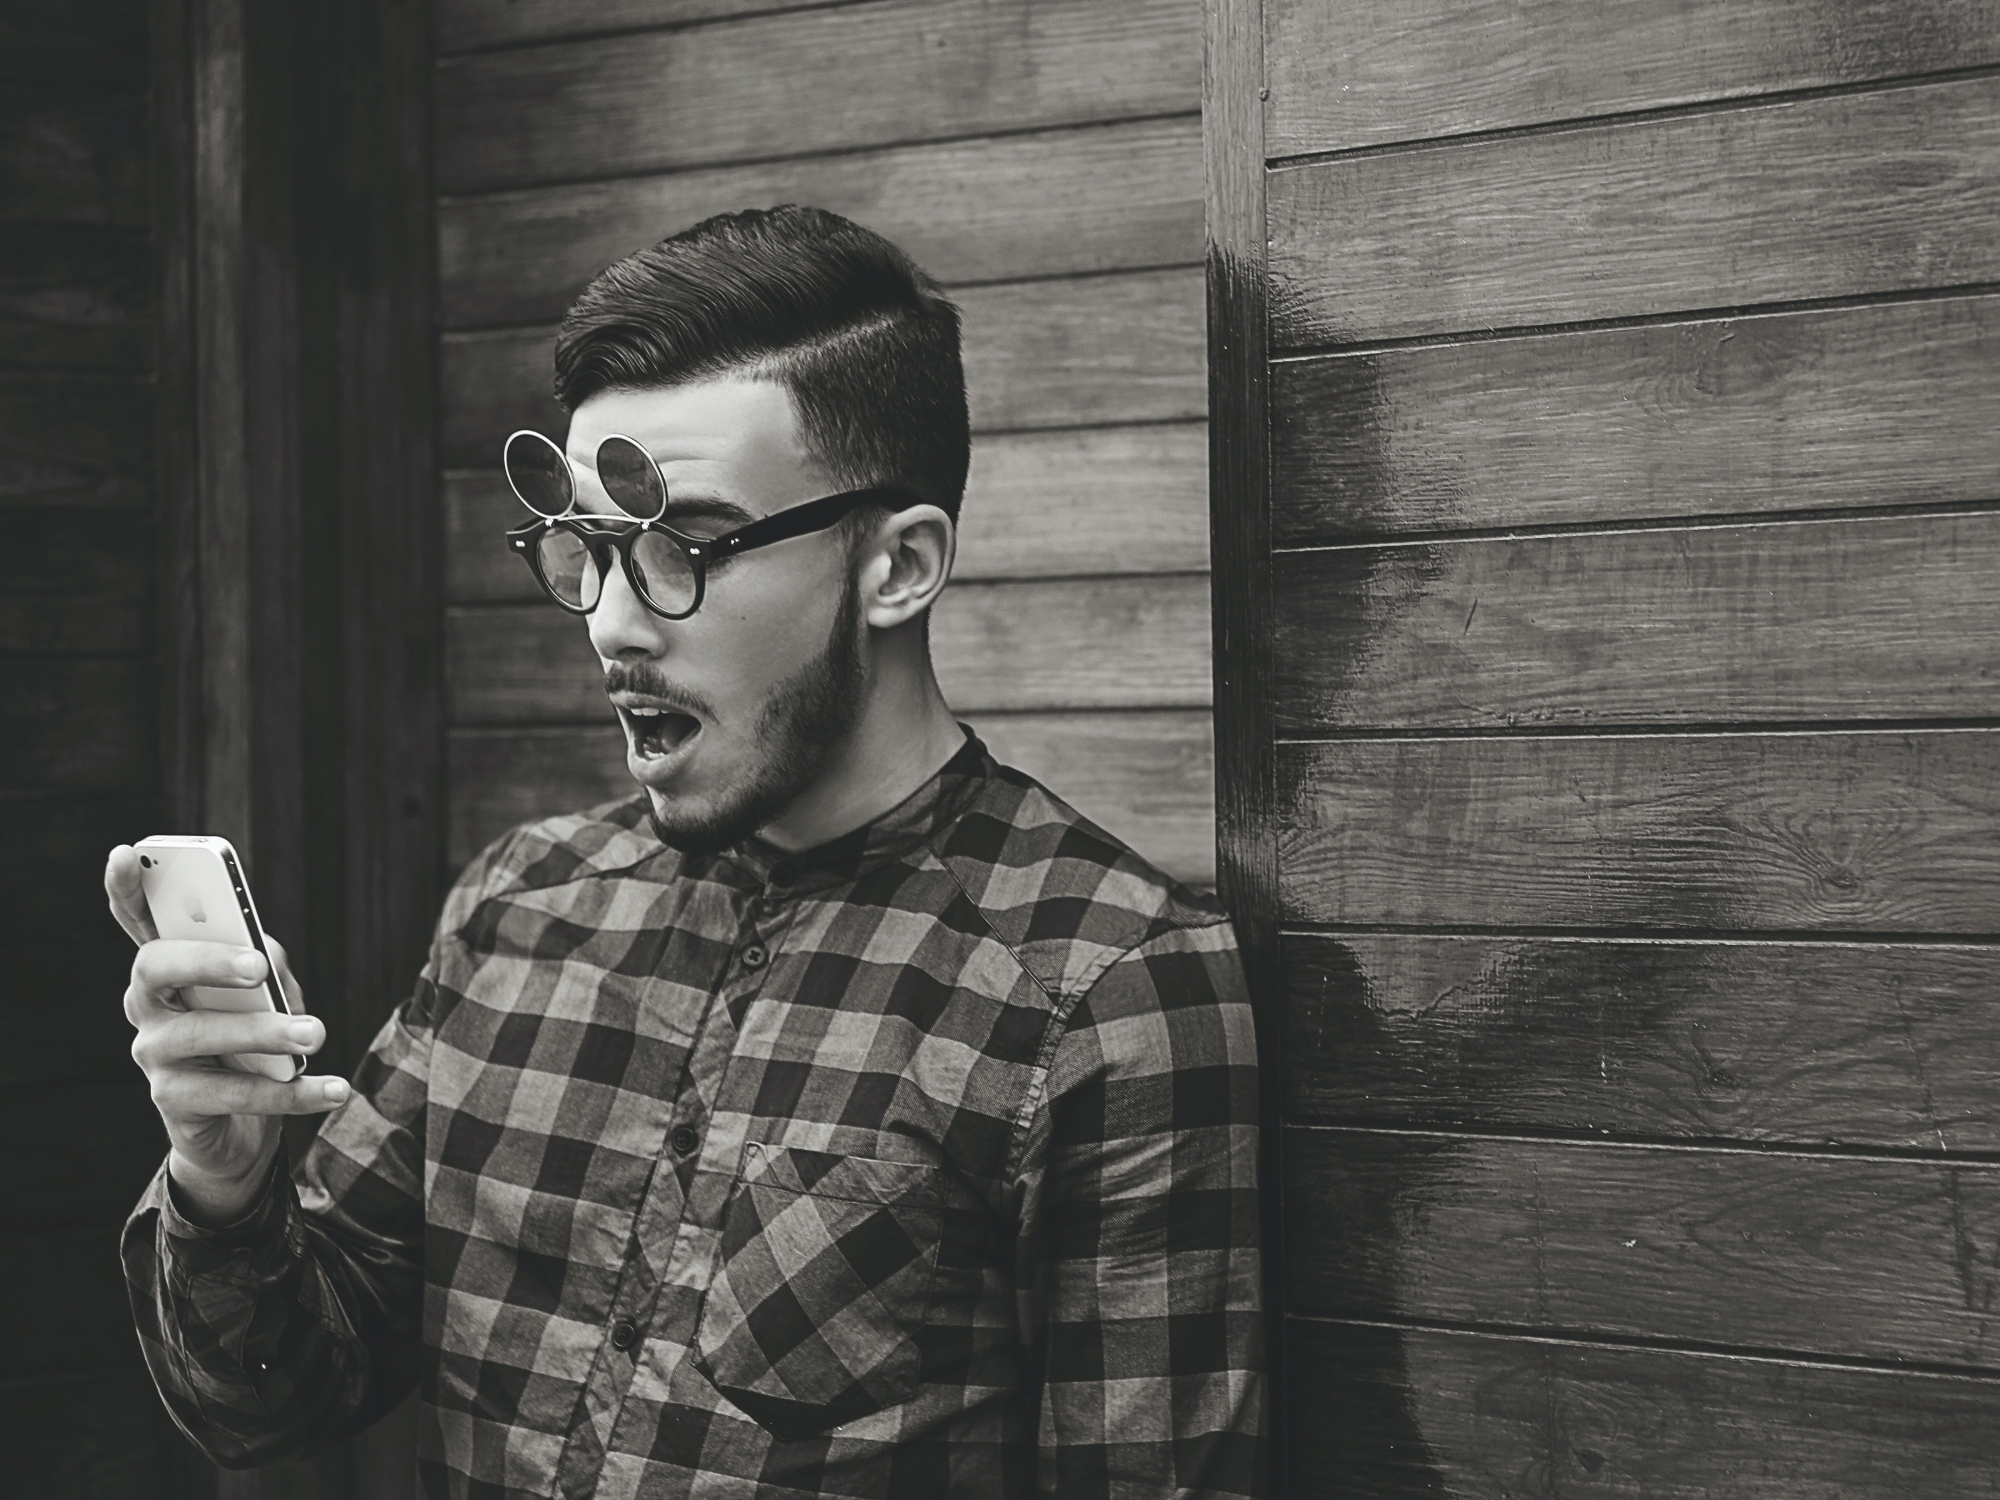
<point>840,1115</point>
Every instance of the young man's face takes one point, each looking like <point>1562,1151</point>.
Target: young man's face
<point>767,675</point>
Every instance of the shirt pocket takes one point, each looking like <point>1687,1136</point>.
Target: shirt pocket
<point>822,1279</point>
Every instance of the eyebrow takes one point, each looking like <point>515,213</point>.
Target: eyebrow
<point>706,505</point>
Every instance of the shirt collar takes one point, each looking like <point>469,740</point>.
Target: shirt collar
<point>907,826</point>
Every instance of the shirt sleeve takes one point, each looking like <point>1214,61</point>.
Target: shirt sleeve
<point>299,1325</point>
<point>1143,1229</point>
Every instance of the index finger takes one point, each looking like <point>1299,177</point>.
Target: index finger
<point>127,897</point>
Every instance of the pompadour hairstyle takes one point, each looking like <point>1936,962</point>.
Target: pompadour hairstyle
<point>866,344</point>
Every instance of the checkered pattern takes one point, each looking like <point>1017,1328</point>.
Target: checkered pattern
<point>921,1164</point>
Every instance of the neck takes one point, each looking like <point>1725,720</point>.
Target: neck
<point>903,737</point>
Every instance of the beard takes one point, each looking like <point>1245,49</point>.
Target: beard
<point>798,728</point>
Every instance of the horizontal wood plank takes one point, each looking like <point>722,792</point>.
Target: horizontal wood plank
<point>104,1434</point>
<point>1397,1414</point>
<point>883,72</point>
<point>1815,1255</point>
<point>1380,71</point>
<point>75,298</point>
<point>63,1005</point>
<point>1127,642</point>
<point>78,724</point>
<point>1135,642</point>
<point>73,157</point>
<point>1103,349</point>
<point>75,442</point>
<point>1054,203</point>
<point>1869,831</point>
<point>53,879</point>
<point>1148,777</point>
<point>1860,1044</point>
<point>98,44</point>
<point>89,1173</point>
<point>1885,404</point>
<point>75,582</point>
<point>1785,621</point>
<point>1711,210</point>
<point>466,24</point>
<point>1039,504</point>
<point>78,1321</point>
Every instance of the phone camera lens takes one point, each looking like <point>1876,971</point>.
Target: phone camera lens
<point>146,861</point>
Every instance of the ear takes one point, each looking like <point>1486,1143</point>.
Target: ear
<point>905,564</point>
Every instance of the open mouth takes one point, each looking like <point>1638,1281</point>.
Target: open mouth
<point>658,733</point>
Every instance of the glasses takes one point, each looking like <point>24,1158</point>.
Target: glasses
<point>570,553</point>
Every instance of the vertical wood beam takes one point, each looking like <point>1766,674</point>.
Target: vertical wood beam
<point>1240,557</point>
<point>301,659</point>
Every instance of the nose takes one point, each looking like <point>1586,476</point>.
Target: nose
<point>622,625</point>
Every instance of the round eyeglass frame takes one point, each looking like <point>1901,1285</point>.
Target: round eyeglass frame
<point>624,465</point>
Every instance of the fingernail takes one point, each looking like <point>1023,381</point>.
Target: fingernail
<point>335,1090</point>
<point>250,965</point>
<point>304,1031</point>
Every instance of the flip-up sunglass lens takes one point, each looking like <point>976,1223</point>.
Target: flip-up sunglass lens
<point>631,478</point>
<point>539,473</point>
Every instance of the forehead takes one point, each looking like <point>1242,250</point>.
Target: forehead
<point>737,432</point>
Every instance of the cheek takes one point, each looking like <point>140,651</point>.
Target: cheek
<point>762,627</point>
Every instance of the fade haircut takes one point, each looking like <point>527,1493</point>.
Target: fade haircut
<point>864,342</point>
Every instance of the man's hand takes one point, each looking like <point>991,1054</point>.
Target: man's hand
<point>223,1123</point>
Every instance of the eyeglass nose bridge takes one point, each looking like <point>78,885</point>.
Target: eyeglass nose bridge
<point>527,541</point>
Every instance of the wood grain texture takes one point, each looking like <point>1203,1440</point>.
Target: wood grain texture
<point>1039,504</point>
<point>73,583</point>
<point>75,297</point>
<point>90,1173</point>
<point>1710,210</point>
<point>96,44</point>
<point>1861,1044</point>
<point>100,1434</point>
<point>1889,404</point>
<point>1818,1255</point>
<point>1390,1414</point>
<point>63,1004</point>
<point>1235,274</point>
<point>1879,831</point>
<point>1346,75</point>
<point>1847,619</point>
<point>465,24</point>
<point>885,72</point>
<point>1103,349</point>
<point>1052,203</point>
<point>1135,642</point>
<point>53,878</point>
<point>75,442</point>
<point>78,724</point>
<point>73,157</point>
<point>1147,777</point>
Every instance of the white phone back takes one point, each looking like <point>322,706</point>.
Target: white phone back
<point>192,895</point>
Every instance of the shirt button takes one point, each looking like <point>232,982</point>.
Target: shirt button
<point>754,956</point>
<point>624,1334</point>
<point>684,1140</point>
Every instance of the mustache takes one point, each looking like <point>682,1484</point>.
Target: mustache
<point>646,680</point>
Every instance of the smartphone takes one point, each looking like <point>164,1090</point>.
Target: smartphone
<point>195,888</point>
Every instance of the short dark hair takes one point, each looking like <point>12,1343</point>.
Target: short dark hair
<point>864,342</point>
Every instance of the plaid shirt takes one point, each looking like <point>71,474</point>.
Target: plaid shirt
<point>919,1164</point>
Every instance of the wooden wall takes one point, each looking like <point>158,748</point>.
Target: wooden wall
<point>79,759</point>
<point>1042,159</point>
<point>1606,554</point>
